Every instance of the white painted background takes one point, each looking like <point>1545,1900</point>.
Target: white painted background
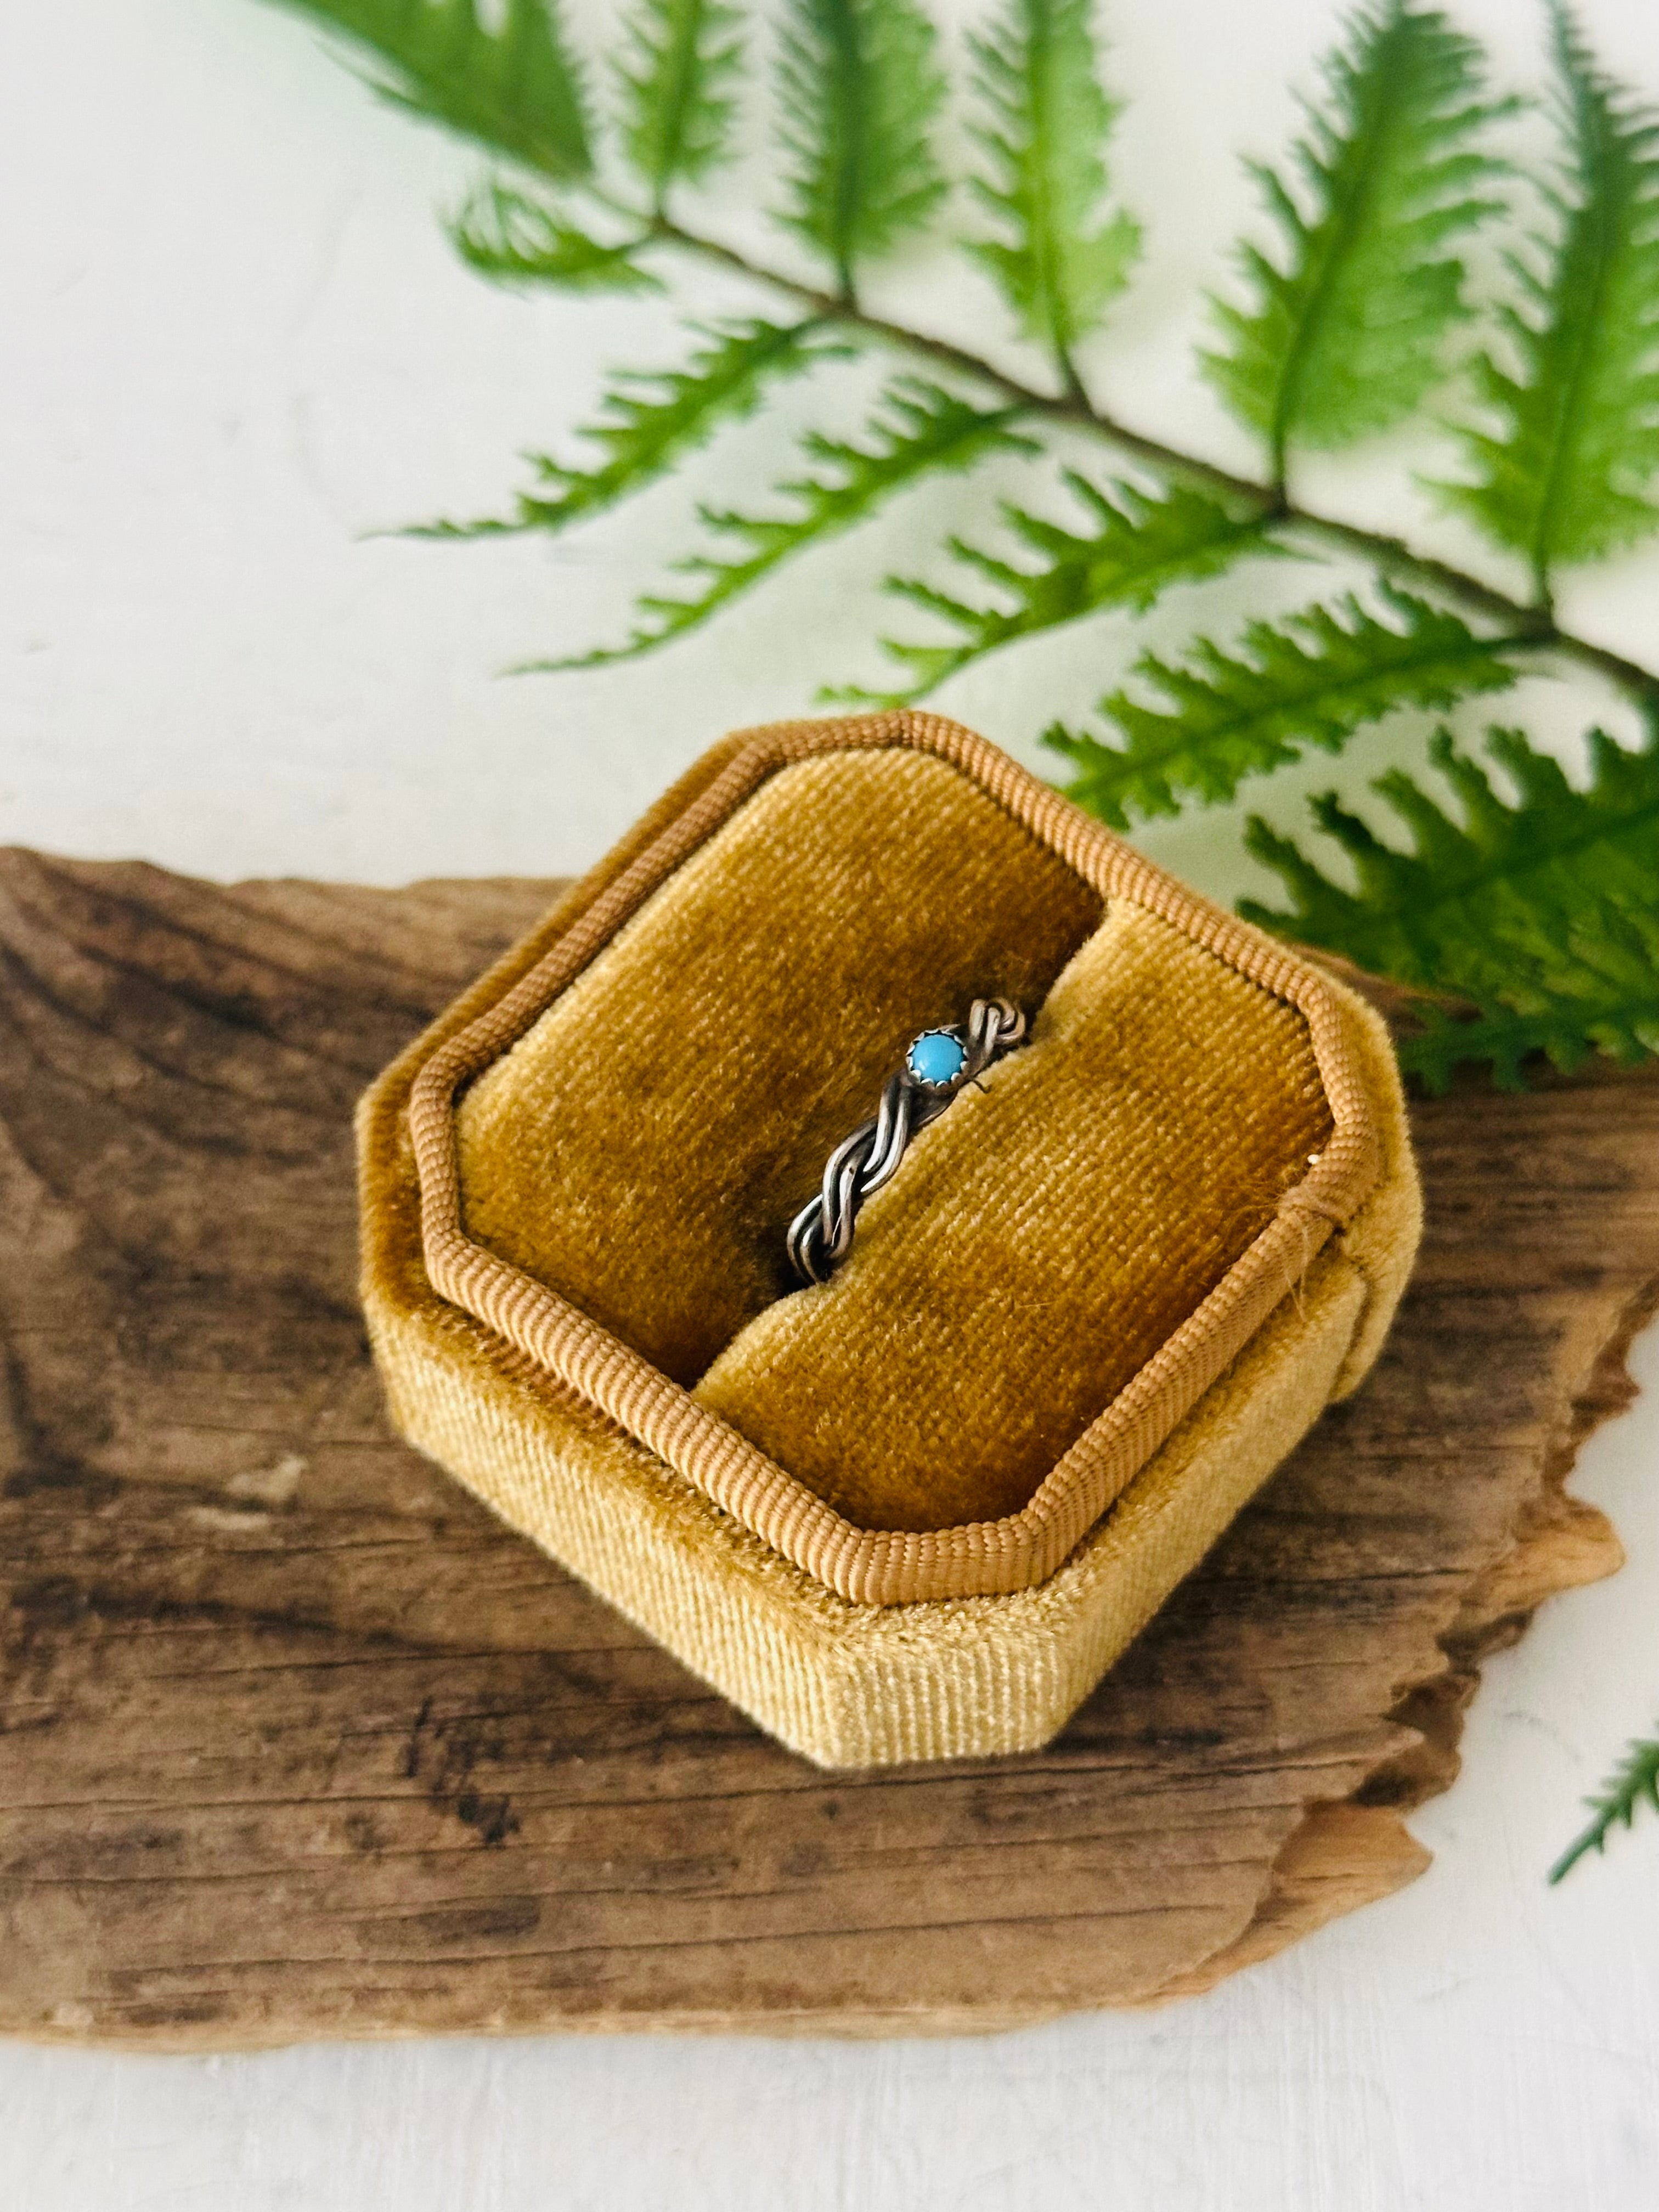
<point>232,344</point>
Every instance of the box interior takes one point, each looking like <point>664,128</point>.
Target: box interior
<point>643,1147</point>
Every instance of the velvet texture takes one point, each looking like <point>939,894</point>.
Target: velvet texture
<point>1040,1240</point>
<point>642,1147</point>
<point>844,1684</point>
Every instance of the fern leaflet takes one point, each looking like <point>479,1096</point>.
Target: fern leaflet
<point>677,89</point>
<point>1572,475</point>
<point>1544,914</point>
<point>508,81</point>
<point>918,428</point>
<point>1345,335</point>
<point>1135,545</point>
<point>1310,679</point>
<point>1047,120</point>
<point>858,86</point>
<point>502,233</point>
<point>1635,1780</point>
<point>652,418</point>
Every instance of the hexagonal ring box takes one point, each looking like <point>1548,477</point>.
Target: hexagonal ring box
<point>916,1509</point>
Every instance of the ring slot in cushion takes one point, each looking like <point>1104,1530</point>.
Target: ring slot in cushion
<point>1040,1240</point>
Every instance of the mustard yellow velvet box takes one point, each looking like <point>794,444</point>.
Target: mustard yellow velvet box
<point>916,1511</point>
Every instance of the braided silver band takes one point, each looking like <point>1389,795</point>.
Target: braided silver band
<point>937,1064</point>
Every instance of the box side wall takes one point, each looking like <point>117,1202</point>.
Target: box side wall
<point>857,1686</point>
<point>1382,1240</point>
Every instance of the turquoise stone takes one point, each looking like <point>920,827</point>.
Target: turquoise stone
<point>936,1058</point>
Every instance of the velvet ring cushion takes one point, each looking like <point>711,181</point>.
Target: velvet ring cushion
<point>642,1147</point>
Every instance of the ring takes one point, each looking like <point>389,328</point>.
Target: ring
<point>937,1064</point>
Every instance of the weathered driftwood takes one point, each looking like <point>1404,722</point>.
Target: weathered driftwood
<point>294,1741</point>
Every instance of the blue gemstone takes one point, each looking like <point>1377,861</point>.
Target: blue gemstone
<point>936,1058</point>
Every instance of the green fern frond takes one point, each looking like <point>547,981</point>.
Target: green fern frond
<point>1571,475</point>
<point>858,86</point>
<point>1633,1783</point>
<point>1542,914</point>
<point>677,85</point>
<point>1345,335</point>
<point>515,239</point>
<point>1309,679</point>
<point>508,83</point>
<point>917,428</point>
<point>1135,545</point>
<point>1037,73</point>
<point>652,418</point>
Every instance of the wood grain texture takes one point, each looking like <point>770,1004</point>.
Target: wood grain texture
<point>295,1741</point>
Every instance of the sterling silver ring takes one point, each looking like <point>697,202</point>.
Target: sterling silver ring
<point>937,1064</point>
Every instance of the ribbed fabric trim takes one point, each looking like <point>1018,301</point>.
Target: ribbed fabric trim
<point>873,1566</point>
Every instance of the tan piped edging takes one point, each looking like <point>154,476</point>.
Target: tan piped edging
<point>873,1566</point>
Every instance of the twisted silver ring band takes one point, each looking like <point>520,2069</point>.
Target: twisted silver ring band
<point>937,1064</point>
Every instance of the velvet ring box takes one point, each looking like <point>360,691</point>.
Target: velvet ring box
<point>914,1512</point>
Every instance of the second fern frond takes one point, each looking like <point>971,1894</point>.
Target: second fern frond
<point>1542,913</point>
<point>1634,1783</point>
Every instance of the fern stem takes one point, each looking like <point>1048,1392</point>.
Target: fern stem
<point>1525,622</point>
<point>1072,384</point>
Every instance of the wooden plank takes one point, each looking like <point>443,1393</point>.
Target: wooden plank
<point>295,1741</point>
